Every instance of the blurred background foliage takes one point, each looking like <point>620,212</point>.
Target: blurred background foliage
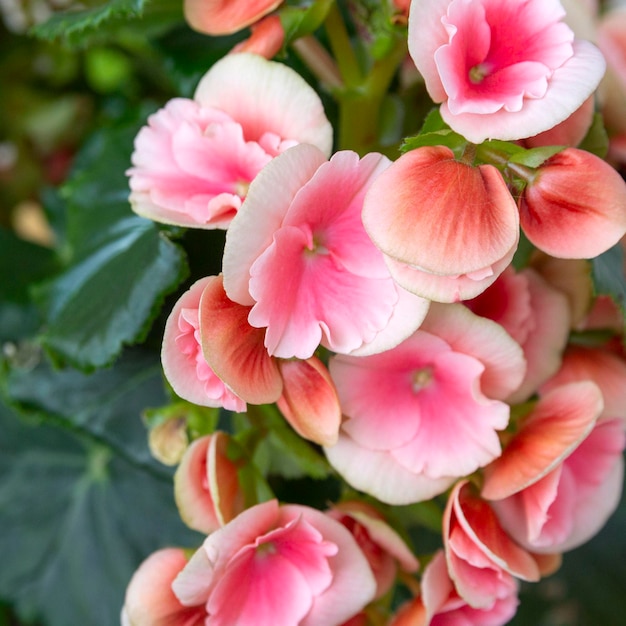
<point>82,502</point>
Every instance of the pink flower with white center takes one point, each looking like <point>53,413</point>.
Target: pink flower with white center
<point>184,365</point>
<point>501,69</point>
<point>194,160</point>
<point>426,412</point>
<point>298,254</point>
<point>278,566</point>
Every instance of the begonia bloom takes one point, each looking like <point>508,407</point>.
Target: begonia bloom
<point>278,566</point>
<point>501,69</point>
<point>447,229</point>
<point>150,600</point>
<point>483,561</point>
<point>183,362</point>
<point>554,428</point>
<point>440,605</point>
<point>383,548</point>
<point>298,254</point>
<point>194,160</point>
<point>206,485</point>
<point>568,506</point>
<point>536,315</point>
<point>574,205</point>
<point>441,423</point>
<point>223,17</point>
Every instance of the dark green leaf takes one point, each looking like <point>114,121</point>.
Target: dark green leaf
<point>24,263</point>
<point>80,508</point>
<point>108,19</point>
<point>120,268</point>
<point>608,275</point>
<point>596,141</point>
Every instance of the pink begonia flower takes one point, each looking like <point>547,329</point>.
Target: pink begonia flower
<point>483,561</point>
<point>568,506</point>
<point>150,600</point>
<point>302,389</point>
<point>278,566</point>
<point>223,17</point>
<point>574,205</point>
<point>298,254</point>
<point>440,605</point>
<point>206,484</point>
<point>447,229</point>
<point>501,69</point>
<point>560,476</point>
<point>554,428</point>
<point>184,365</point>
<point>383,548</point>
<point>426,412</point>
<point>536,315</point>
<point>194,160</point>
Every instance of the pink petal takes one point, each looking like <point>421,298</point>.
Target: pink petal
<point>570,85</point>
<point>556,426</point>
<point>605,369</point>
<point>434,213</point>
<point>223,17</point>
<point>266,96</point>
<point>184,365</point>
<point>447,288</point>
<point>270,195</point>
<point>235,349</point>
<point>576,215</point>
<point>149,598</point>
<point>378,474</point>
<point>483,339</point>
<point>309,401</point>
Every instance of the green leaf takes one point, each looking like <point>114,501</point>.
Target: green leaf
<point>298,21</point>
<point>535,157</point>
<point>120,266</point>
<point>80,508</point>
<point>445,137</point>
<point>608,275</point>
<point>597,140</point>
<point>107,20</point>
<point>73,23</point>
<point>24,262</point>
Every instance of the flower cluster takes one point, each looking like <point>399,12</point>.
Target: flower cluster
<point>384,304</point>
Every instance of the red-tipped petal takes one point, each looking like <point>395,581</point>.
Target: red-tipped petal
<point>559,422</point>
<point>234,349</point>
<point>309,401</point>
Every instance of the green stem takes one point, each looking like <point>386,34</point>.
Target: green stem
<point>359,107</point>
<point>341,47</point>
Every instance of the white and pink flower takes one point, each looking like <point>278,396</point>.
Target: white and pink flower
<point>501,69</point>
<point>278,566</point>
<point>426,412</point>
<point>298,254</point>
<point>194,160</point>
